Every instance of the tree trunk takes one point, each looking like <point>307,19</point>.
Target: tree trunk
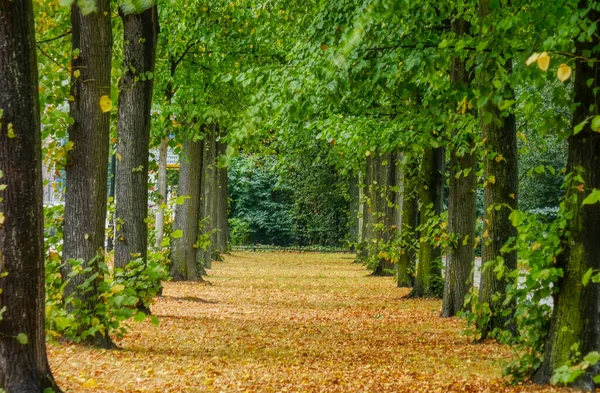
<point>222,198</point>
<point>110,240</point>
<point>408,224</point>
<point>133,135</point>
<point>576,318</point>
<point>208,195</point>
<point>354,206</point>
<point>501,164</point>
<point>462,213</point>
<point>362,247</point>
<point>184,248</point>
<point>383,213</point>
<point>87,162</point>
<point>428,280</point>
<point>23,367</point>
<point>162,192</point>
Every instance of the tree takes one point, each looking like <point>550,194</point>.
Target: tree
<point>87,161</point>
<point>501,172</point>
<point>460,254</point>
<point>428,280</point>
<point>209,196</point>
<point>575,319</point>
<point>133,135</point>
<point>23,363</point>
<point>408,224</point>
<point>185,226</point>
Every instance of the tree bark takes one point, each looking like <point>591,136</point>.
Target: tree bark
<point>576,318</point>
<point>363,220</point>
<point>383,196</point>
<point>184,248</point>
<point>408,224</point>
<point>462,215</point>
<point>23,367</point>
<point>133,135</point>
<point>222,198</point>
<point>87,162</point>
<point>110,239</point>
<point>162,192</point>
<point>208,194</point>
<point>428,280</point>
<point>354,206</point>
<point>501,164</point>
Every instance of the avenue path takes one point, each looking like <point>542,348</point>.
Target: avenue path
<point>282,322</point>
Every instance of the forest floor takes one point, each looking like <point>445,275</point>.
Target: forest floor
<point>276,322</point>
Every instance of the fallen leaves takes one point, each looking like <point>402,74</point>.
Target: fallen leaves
<point>273,322</point>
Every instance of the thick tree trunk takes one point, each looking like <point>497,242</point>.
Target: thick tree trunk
<point>87,162</point>
<point>23,367</point>
<point>384,197</point>
<point>408,224</point>
<point>184,248</point>
<point>133,135</point>
<point>162,192</point>
<point>576,317</point>
<point>428,280</point>
<point>500,164</point>
<point>460,255</point>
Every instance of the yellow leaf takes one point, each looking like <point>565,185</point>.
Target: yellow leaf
<point>532,59</point>
<point>71,98</point>
<point>105,104</point>
<point>463,106</point>
<point>90,383</point>
<point>564,72</point>
<point>117,288</point>
<point>76,73</point>
<point>2,218</point>
<point>119,157</point>
<point>543,61</point>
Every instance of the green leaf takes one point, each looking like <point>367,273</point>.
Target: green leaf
<point>577,129</point>
<point>594,197</point>
<point>586,277</point>
<point>22,338</point>
<point>140,317</point>
<point>177,234</point>
<point>592,358</point>
<point>596,124</point>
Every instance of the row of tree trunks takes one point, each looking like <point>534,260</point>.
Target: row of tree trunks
<point>575,323</point>
<point>354,207</point>
<point>162,192</point>
<point>87,162</point>
<point>460,255</point>
<point>428,279</point>
<point>23,368</point>
<point>209,196</point>
<point>183,246</point>
<point>222,199</point>
<point>133,136</point>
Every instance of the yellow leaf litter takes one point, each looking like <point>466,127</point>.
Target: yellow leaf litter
<point>284,322</point>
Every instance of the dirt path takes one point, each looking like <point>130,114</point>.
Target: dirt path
<point>287,322</point>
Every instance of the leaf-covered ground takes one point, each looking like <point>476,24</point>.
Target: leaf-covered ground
<point>273,322</point>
